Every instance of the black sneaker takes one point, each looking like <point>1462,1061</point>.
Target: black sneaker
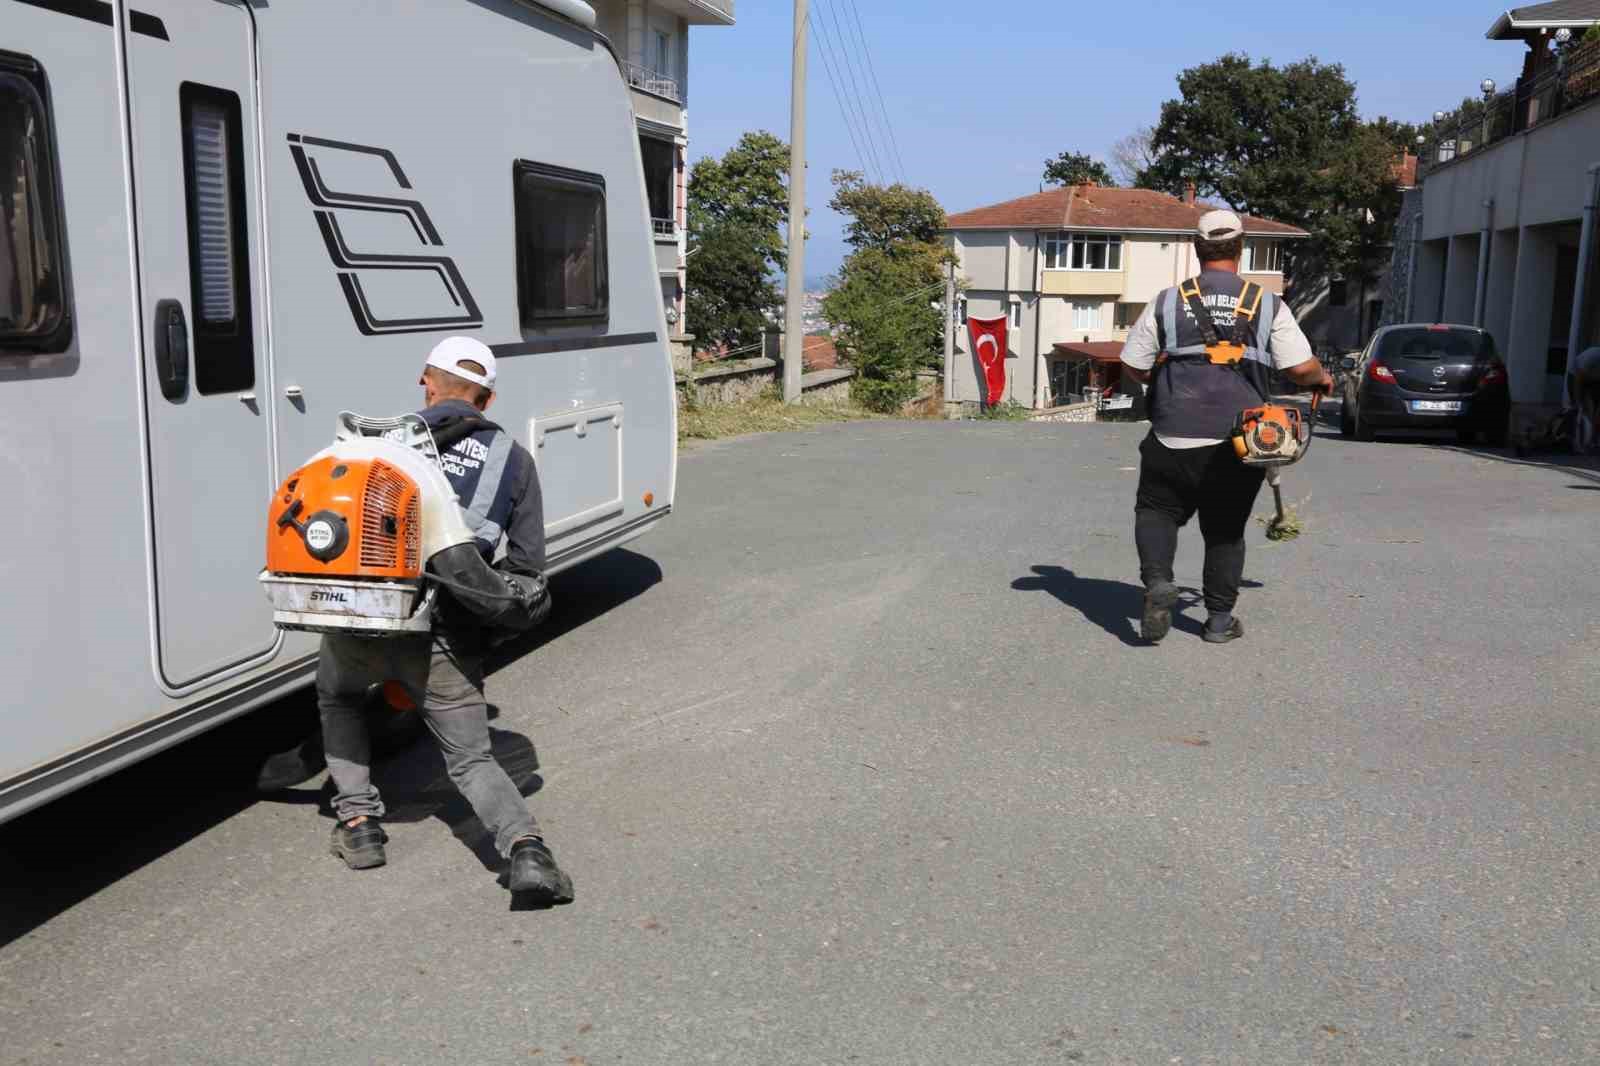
<point>1158,603</point>
<point>360,846</point>
<point>534,871</point>
<point>1234,631</point>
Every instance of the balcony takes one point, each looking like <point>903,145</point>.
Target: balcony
<point>649,81</point>
<point>1574,80</point>
<point>699,12</point>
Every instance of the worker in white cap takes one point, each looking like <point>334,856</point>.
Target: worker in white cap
<point>1208,349</point>
<point>497,486</point>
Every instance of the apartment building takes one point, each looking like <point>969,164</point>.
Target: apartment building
<point>1501,232</point>
<point>652,38</point>
<point>1073,268</point>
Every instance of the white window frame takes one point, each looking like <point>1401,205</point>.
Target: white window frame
<point>1064,247</point>
<point>663,53</point>
<point>1274,251</point>
<point>1134,317</point>
<point>1088,307</point>
<point>1014,311</point>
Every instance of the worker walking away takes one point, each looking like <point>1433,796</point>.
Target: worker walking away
<point>1207,349</point>
<point>497,487</point>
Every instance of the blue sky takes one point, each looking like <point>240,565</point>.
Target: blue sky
<point>980,94</point>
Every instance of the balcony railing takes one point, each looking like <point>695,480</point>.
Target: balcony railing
<point>1574,80</point>
<point>653,82</point>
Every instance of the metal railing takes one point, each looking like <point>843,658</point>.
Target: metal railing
<point>653,82</point>
<point>1572,81</point>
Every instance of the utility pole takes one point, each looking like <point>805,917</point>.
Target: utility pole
<point>794,330</point>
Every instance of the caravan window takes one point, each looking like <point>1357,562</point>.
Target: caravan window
<point>219,262</point>
<point>33,288</point>
<point>561,245</point>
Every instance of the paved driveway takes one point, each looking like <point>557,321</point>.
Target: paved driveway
<point>858,760</point>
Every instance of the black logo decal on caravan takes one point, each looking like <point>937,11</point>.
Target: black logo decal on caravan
<point>461,312</point>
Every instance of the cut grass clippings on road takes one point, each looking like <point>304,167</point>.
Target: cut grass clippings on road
<point>764,414</point>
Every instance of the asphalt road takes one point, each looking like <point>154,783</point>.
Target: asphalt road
<point>858,760</point>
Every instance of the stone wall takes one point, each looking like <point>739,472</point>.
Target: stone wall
<point>1075,412</point>
<point>743,381</point>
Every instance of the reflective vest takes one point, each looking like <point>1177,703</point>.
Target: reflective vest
<point>484,466</point>
<point>1215,333</point>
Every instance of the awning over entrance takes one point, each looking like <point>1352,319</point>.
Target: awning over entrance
<point>1090,351</point>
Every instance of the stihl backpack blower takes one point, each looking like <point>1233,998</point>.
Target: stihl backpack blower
<point>361,538</point>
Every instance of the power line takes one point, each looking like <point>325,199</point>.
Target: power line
<point>838,96</point>
<point>872,69</point>
<point>869,135</point>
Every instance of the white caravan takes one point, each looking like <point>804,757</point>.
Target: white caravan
<point>220,224</point>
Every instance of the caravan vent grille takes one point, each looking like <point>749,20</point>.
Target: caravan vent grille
<point>386,488</point>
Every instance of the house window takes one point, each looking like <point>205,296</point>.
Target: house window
<point>1016,313</point>
<point>33,290</point>
<point>1263,257</point>
<point>1083,251</point>
<point>660,183</point>
<point>961,305</point>
<point>219,262</point>
<point>561,245</point>
<point>664,54</point>
<point>1085,317</point>
<point>1127,315</point>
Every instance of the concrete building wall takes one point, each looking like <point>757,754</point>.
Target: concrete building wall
<point>1461,279</point>
<point>1022,345</point>
<point>981,258</point>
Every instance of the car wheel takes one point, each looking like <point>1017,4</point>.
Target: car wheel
<point>1496,434</point>
<point>1363,428</point>
<point>1466,435</point>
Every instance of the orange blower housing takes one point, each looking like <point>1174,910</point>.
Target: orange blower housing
<point>344,548</point>
<point>1270,435</point>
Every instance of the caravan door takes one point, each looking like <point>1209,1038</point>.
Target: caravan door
<point>191,86</point>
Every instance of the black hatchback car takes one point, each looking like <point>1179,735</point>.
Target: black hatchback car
<point>1418,376</point>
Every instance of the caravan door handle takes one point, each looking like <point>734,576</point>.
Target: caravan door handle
<point>172,349</point>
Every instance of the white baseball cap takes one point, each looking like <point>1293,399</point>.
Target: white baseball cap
<point>450,353</point>
<point>1219,226</point>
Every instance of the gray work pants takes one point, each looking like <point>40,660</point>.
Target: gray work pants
<point>448,668</point>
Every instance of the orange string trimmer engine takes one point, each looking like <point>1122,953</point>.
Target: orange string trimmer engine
<point>1270,435</point>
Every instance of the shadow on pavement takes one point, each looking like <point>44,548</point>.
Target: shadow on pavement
<point>68,850</point>
<point>1114,606</point>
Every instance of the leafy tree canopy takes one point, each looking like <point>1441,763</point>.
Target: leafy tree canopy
<point>737,206</point>
<point>1076,168</point>
<point>881,304</point>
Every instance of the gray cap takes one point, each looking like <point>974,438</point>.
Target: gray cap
<point>1219,226</point>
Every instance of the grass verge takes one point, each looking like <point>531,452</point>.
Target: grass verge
<point>766,413</point>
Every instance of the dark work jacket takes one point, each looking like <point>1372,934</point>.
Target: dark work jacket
<point>1191,397</point>
<point>497,486</point>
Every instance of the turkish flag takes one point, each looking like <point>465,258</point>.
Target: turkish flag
<point>988,337</point>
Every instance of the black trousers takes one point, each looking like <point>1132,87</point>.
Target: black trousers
<point>1174,483</point>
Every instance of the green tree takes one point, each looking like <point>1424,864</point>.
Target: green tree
<point>1284,143</point>
<point>881,303</point>
<point>1076,168</point>
<point>737,207</point>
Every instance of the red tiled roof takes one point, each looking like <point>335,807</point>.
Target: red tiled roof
<point>1405,171</point>
<point>1096,207</point>
<point>1095,351</point>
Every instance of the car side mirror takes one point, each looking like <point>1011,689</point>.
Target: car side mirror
<point>1349,362</point>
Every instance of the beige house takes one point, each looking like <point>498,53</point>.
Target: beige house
<point>1077,265</point>
<point>652,39</point>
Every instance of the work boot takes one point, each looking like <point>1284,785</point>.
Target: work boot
<point>360,846</point>
<point>534,871</point>
<point>1158,602</point>
<point>1233,631</point>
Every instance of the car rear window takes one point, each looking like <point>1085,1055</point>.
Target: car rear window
<point>1425,343</point>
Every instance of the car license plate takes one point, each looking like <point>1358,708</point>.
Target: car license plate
<point>1436,406</point>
